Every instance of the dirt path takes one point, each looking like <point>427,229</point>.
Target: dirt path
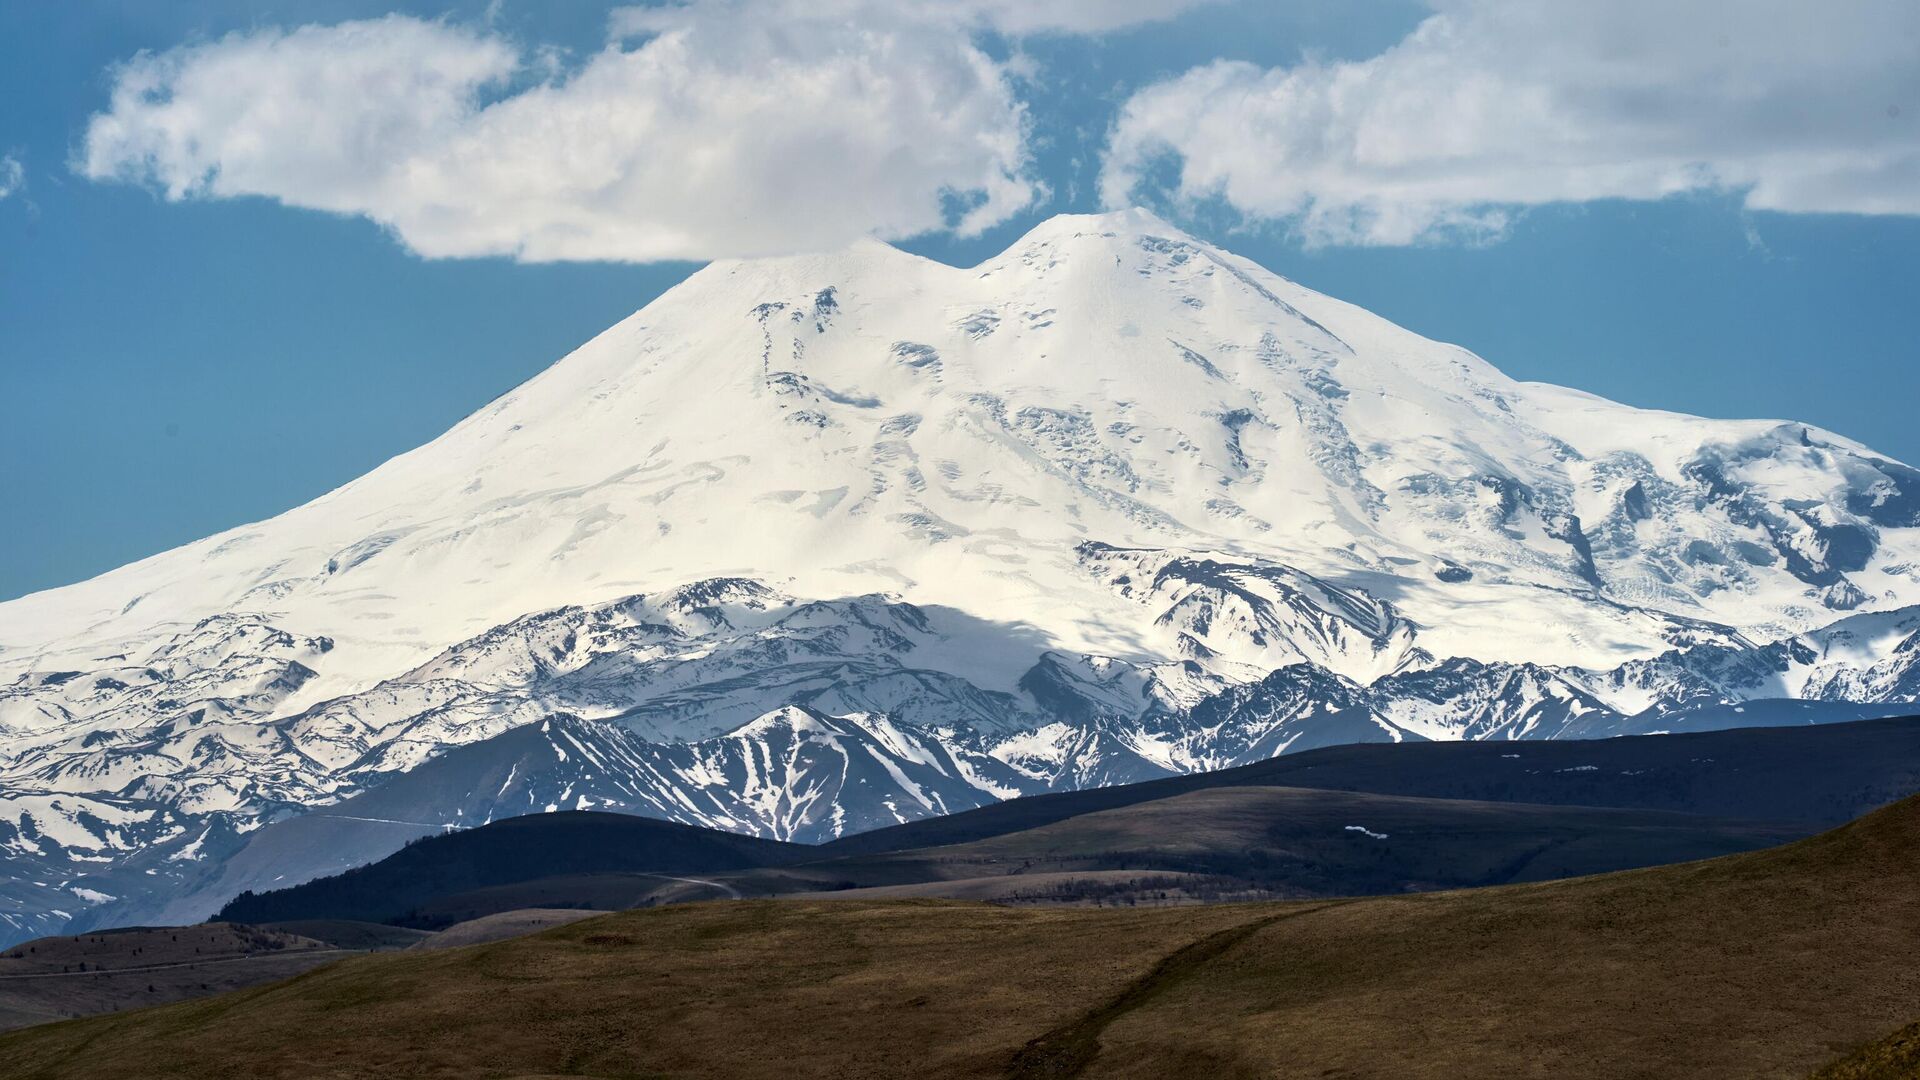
<point>1067,1050</point>
<point>732,893</point>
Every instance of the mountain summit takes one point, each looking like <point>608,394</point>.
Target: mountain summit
<point>871,420</point>
<point>1114,500</point>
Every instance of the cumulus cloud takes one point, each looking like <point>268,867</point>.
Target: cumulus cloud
<point>13,175</point>
<point>325,117</point>
<point>1493,105</point>
<point>710,129</point>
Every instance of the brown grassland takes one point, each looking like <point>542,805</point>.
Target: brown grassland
<point>78,975</point>
<point>1896,1057</point>
<point>1767,964</point>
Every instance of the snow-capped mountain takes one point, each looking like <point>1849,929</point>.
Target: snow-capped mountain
<point>817,543</point>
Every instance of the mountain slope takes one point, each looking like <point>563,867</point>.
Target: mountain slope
<point>1795,780</point>
<point>1548,811</point>
<point>1106,378</point>
<point>1111,505</point>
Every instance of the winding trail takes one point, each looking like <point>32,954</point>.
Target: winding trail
<point>1067,1050</point>
<point>732,893</point>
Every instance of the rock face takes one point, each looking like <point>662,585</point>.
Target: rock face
<point>813,544</point>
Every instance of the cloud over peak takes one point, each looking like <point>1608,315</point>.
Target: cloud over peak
<point>715,128</point>
<point>1492,105</point>
<point>715,135</point>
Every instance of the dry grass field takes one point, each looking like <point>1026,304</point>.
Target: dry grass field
<point>106,971</point>
<point>1768,964</point>
<point>507,924</point>
<point>1896,1057</point>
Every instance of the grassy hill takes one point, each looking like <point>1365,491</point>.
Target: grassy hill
<point>52,978</point>
<point>1275,843</point>
<point>1754,965</point>
<point>516,849</point>
<point>1340,843</point>
<point>1806,777</point>
<point>1821,775</point>
<point>1210,844</point>
<point>1765,964</point>
<point>347,934</point>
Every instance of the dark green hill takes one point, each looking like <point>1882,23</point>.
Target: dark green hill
<point>1209,845</point>
<point>1821,775</point>
<point>515,849</point>
<point>1306,842</point>
<point>1458,814</point>
<point>1213,844</point>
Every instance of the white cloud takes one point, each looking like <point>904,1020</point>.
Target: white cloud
<point>1014,17</point>
<point>733,129</point>
<point>1065,16</point>
<point>1492,105</point>
<point>324,117</point>
<point>1070,16</point>
<point>13,175</point>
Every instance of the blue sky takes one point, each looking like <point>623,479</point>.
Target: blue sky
<point>202,332</point>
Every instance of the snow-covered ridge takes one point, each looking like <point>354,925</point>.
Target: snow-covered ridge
<point>729,705</point>
<point>1113,503</point>
<point>832,422</point>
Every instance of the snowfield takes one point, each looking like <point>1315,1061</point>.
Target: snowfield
<point>816,544</point>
